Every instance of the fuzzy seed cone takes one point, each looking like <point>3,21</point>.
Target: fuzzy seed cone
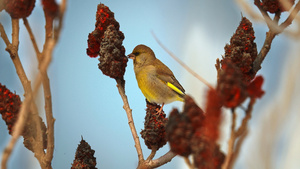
<point>84,157</point>
<point>230,85</point>
<point>9,107</point>
<point>112,54</point>
<point>19,8</point>
<point>10,104</point>
<point>154,133</point>
<point>242,49</point>
<point>206,154</point>
<point>106,40</point>
<point>273,6</point>
<point>181,127</point>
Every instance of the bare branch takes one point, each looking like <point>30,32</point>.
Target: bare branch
<point>35,46</point>
<point>161,160</point>
<point>4,36</point>
<point>126,107</point>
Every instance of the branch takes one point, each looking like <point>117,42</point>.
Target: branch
<point>126,107</point>
<point>291,17</point>
<point>4,36</point>
<point>48,101</point>
<point>161,160</point>
<point>231,142</point>
<point>35,46</point>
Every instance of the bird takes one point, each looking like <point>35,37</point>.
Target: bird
<point>156,81</point>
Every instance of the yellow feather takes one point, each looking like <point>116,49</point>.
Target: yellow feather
<point>170,85</point>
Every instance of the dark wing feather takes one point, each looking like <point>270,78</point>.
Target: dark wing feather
<point>166,75</point>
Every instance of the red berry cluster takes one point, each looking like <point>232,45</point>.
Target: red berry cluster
<point>18,8</point>
<point>237,66</point>
<point>186,133</point>
<point>154,133</point>
<point>84,157</point>
<point>273,6</point>
<point>107,40</point>
<point>9,107</point>
<point>10,104</point>
<point>242,49</point>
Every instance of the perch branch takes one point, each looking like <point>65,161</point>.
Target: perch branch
<point>126,107</point>
<point>161,160</point>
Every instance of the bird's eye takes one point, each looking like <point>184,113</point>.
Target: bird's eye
<point>136,53</point>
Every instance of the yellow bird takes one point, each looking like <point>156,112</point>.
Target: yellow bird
<point>156,81</point>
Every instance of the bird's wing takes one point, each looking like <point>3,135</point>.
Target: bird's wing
<point>166,75</point>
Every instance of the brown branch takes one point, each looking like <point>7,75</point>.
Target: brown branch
<point>62,9</point>
<point>264,51</point>
<point>186,67</point>
<point>35,46</point>
<point>161,160</point>
<point>243,126</point>
<point>290,18</point>
<point>188,163</point>
<point>4,36</point>
<point>48,101</point>
<point>126,107</point>
<point>238,146</point>
<point>152,154</point>
<point>231,142</point>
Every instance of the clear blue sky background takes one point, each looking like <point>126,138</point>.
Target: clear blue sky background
<point>86,103</point>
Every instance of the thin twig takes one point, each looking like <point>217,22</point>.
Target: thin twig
<point>152,154</point>
<point>188,163</point>
<point>35,46</point>
<point>237,148</point>
<point>126,107</point>
<point>186,67</point>
<point>246,119</point>
<point>48,101</point>
<point>4,36</point>
<point>161,160</point>
<point>231,142</point>
<point>291,17</point>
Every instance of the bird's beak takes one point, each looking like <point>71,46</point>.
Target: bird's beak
<point>131,56</point>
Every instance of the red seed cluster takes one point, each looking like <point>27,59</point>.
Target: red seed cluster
<point>154,133</point>
<point>18,8</point>
<point>9,107</point>
<point>10,104</point>
<point>50,7</point>
<point>230,85</point>
<point>187,133</point>
<point>237,72</point>
<point>254,89</point>
<point>106,40</point>
<point>84,157</point>
<point>206,154</point>
<point>213,115</point>
<point>112,54</point>
<point>273,6</point>
<point>242,49</point>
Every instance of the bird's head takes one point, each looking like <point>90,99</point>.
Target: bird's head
<point>142,55</point>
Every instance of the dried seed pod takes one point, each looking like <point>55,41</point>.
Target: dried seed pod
<point>84,157</point>
<point>154,133</point>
